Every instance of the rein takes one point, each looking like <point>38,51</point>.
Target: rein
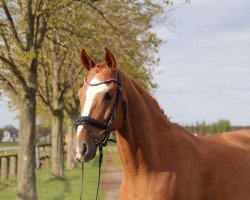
<point>105,127</point>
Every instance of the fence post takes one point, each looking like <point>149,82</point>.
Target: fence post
<point>6,167</point>
<point>13,164</point>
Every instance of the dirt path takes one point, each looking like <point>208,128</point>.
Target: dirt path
<point>112,178</point>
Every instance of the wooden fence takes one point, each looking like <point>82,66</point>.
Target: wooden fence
<point>9,163</point>
<point>8,166</point>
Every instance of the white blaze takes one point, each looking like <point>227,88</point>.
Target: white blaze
<point>91,92</point>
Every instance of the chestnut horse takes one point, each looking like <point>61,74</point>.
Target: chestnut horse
<point>161,160</point>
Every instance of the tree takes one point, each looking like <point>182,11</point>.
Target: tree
<point>22,31</point>
<point>24,26</point>
<point>220,126</point>
<point>71,111</point>
<point>1,134</point>
<point>43,133</point>
<point>54,81</point>
<point>224,125</point>
<point>203,128</point>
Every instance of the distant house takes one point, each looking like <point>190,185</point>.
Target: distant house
<point>10,135</point>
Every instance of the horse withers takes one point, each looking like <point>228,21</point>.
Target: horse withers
<point>160,159</point>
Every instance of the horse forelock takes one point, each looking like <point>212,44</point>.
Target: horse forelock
<point>101,71</point>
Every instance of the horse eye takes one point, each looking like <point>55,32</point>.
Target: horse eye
<point>108,96</point>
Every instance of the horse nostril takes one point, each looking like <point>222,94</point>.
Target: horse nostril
<point>84,149</point>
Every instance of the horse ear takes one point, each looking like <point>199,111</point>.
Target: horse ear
<point>87,62</point>
<point>110,59</point>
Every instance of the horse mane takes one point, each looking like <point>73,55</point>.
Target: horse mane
<point>151,99</point>
<point>154,102</point>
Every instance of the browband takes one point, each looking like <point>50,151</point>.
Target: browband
<point>103,82</point>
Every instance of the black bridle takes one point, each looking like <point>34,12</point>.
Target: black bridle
<point>104,127</point>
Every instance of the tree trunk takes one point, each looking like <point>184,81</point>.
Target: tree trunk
<point>71,164</point>
<point>57,154</point>
<point>26,187</point>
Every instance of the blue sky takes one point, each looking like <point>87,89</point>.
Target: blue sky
<point>205,63</point>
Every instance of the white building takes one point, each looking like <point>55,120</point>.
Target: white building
<point>9,137</point>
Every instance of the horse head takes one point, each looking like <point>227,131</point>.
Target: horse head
<point>102,104</point>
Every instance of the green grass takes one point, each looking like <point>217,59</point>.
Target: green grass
<point>8,144</point>
<point>67,188</point>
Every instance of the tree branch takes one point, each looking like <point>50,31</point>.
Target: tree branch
<point>29,20</point>
<point>15,71</point>
<point>57,43</point>
<point>8,84</point>
<point>12,25</point>
<point>46,80</point>
<point>46,102</point>
<point>69,31</point>
<point>6,45</point>
<point>41,30</point>
<point>104,17</point>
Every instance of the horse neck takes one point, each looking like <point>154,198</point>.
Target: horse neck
<point>148,141</point>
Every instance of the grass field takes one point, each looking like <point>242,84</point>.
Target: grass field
<point>67,188</point>
<point>8,144</point>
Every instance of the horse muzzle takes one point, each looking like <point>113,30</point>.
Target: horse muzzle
<point>84,148</point>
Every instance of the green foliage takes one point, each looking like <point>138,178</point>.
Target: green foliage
<point>123,26</point>
<point>220,126</point>
<point>203,128</point>
<point>42,132</point>
<point>172,3</point>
